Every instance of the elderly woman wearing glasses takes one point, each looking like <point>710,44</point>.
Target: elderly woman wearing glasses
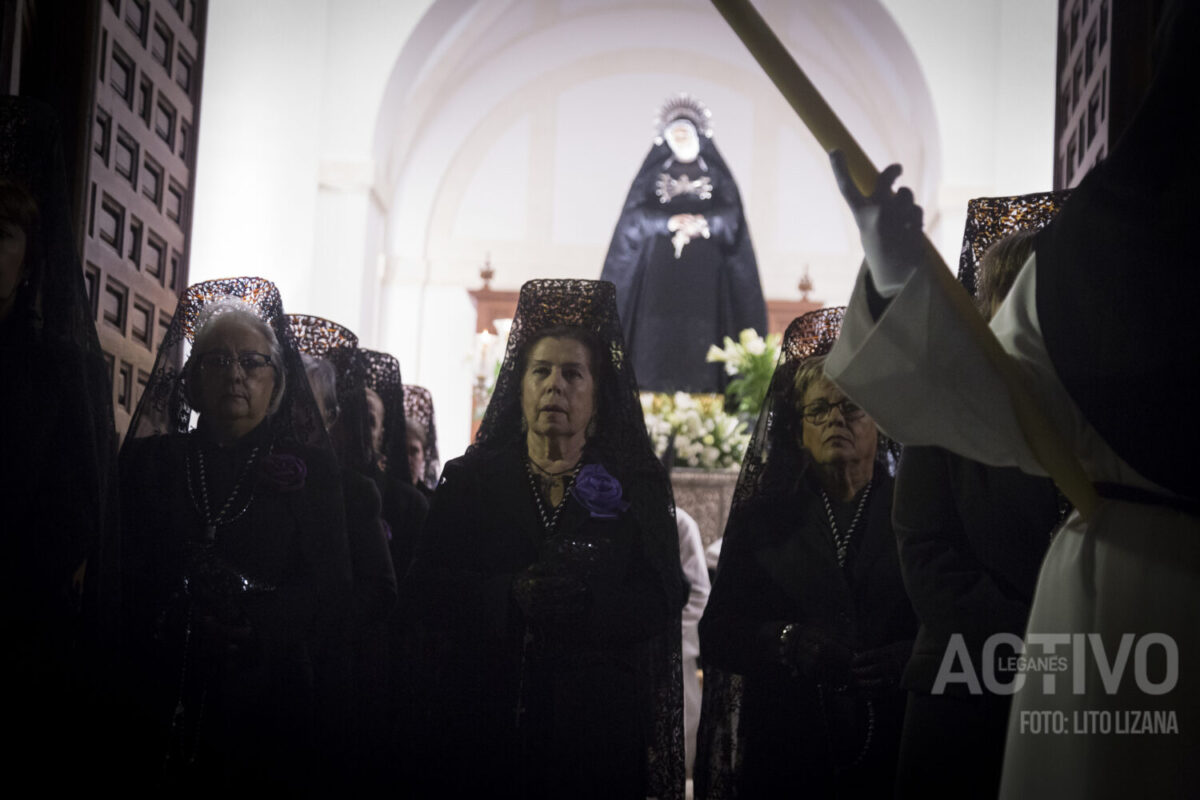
<point>808,610</point>
<point>235,557</point>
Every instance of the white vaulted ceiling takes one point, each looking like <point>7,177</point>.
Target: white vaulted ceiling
<point>516,127</point>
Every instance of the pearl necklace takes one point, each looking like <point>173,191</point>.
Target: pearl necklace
<point>841,541</point>
<point>550,521</point>
<point>204,507</point>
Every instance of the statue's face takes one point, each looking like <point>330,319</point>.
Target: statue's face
<point>683,140</point>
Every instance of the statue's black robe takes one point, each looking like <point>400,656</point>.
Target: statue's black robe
<point>673,309</point>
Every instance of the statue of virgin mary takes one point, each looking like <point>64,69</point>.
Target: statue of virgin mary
<point>681,256</point>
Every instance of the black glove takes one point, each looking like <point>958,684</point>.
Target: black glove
<point>878,670</point>
<point>814,654</point>
<point>550,596</point>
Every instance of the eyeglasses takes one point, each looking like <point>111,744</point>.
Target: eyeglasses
<point>819,411</point>
<point>220,362</point>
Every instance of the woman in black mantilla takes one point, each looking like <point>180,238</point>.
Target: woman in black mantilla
<point>423,462</point>
<point>681,257</point>
<point>404,503</point>
<point>404,510</point>
<point>235,559</point>
<point>971,538</point>
<point>57,458</point>
<point>549,576</point>
<point>807,627</point>
<point>354,723</point>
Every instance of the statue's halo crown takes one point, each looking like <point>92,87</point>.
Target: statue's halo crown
<point>683,106</point>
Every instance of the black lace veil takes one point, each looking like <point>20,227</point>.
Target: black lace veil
<point>164,407</point>
<point>623,446</point>
<point>418,406</point>
<point>31,156</point>
<point>54,318</point>
<point>772,467</point>
<point>323,338</point>
<point>382,373</point>
<point>990,219</point>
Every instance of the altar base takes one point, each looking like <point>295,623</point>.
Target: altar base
<point>707,495</point>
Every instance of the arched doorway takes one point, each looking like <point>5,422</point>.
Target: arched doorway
<point>513,128</point>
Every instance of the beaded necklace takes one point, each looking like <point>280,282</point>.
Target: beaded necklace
<point>841,541</point>
<point>870,735</point>
<point>197,483</point>
<point>204,507</point>
<point>550,521</point>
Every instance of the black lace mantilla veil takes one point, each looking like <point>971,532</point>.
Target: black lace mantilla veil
<point>53,323</point>
<point>773,466</point>
<point>622,445</point>
<point>418,404</point>
<point>990,219</point>
<point>323,338</point>
<point>31,155</point>
<point>382,373</point>
<point>164,408</point>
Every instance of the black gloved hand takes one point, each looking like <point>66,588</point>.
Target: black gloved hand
<point>878,670</point>
<point>547,596</point>
<point>814,654</point>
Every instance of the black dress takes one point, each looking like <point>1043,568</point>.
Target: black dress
<point>356,721</point>
<point>404,512</point>
<point>57,473</point>
<point>52,515</point>
<point>672,309</point>
<point>779,566</point>
<point>971,539</point>
<point>223,633</point>
<point>518,711</point>
<point>405,507</point>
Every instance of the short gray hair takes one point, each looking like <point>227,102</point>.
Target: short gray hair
<point>228,311</point>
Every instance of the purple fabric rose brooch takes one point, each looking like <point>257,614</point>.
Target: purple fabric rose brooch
<point>282,472</point>
<point>599,492</point>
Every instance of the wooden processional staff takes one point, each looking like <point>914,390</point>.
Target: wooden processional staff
<point>1043,438</point>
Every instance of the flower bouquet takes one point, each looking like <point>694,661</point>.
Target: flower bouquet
<point>696,429</point>
<point>752,359</point>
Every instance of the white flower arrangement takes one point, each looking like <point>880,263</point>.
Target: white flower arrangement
<point>753,359</point>
<point>704,435</point>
